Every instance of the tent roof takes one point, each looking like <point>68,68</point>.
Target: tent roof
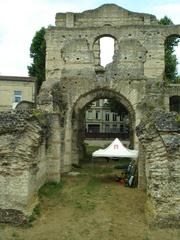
<point>116,149</point>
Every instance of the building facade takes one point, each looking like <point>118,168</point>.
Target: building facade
<point>100,119</point>
<point>14,89</point>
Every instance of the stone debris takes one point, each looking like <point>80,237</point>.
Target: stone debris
<point>74,174</point>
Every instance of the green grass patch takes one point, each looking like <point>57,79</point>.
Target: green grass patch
<point>15,236</point>
<point>92,185</point>
<point>35,214</point>
<point>2,226</point>
<point>102,170</point>
<point>90,150</point>
<point>84,205</point>
<point>50,189</point>
<point>123,163</point>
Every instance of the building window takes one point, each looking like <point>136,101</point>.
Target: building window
<point>97,103</point>
<point>107,116</point>
<point>93,104</point>
<point>174,103</point>
<point>105,103</point>
<point>17,96</point>
<point>114,126</point>
<point>97,115</point>
<point>114,117</point>
<point>107,128</point>
<point>93,128</point>
<point>121,128</point>
<point>121,117</point>
<point>89,114</point>
<point>126,129</point>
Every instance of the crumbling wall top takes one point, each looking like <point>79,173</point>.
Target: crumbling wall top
<point>107,14</point>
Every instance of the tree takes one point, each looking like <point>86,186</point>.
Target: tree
<point>38,54</point>
<point>170,58</point>
<point>117,107</point>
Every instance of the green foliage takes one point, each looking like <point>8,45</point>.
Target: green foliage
<point>50,189</point>
<point>178,79</point>
<point>81,197</point>
<point>15,236</point>
<point>101,170</point>
<point>178,119</point>
<point>36,212</point>
<point>85,206</point>
<point>92,185</point>
<point>171,62</point>
<point>117,107</point>
<point>166,21</point>
<point>38,54</point>
<point>41,117</point>
<point>90,150</point>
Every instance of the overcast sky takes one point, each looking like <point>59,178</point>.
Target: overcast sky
<point>20,19</point>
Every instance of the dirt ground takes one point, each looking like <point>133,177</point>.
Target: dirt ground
<point>89,206</point>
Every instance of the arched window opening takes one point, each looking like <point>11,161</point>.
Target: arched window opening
<point>174,104</point>
<point>177,53</point>
<point>172,59</point>
<point>104,50</point>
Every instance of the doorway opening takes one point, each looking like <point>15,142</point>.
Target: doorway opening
<point>98,123</point>
<point>174,104</point>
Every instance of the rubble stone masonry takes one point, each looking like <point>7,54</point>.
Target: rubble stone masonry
<point>36,146</point>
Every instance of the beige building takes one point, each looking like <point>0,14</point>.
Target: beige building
<point>14,89</point>
<point>100,119</point>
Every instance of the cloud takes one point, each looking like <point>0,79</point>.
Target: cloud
<point>170,10</point>
<point>20,19</point>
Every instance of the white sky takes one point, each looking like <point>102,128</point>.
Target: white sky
<point>20,19</point>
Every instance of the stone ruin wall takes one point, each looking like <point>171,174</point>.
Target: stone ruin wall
<point>72,73</point>
<point>159,136</point>
<point>37,145</point>
<point>27,163</point>
<point>24,165</point>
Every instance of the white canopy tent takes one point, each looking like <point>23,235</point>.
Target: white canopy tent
<point>116,149</point>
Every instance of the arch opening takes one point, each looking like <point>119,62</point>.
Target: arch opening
<point>174,104</point>
<point>95,125</point>
<point>104,49</point>
<point>172,58</point>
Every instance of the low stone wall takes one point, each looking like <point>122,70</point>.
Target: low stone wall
<point>159,134</point>
<point>30,155</point>
<point>22,163</point>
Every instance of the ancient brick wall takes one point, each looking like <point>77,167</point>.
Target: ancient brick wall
<point>37,146</point>
<point>159,134</point>
<point>72,70</point>
<point>22,164</point>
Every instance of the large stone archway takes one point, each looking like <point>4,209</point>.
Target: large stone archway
<point>73,79</point>
<point>79,111</point>
<point>135,78</point>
